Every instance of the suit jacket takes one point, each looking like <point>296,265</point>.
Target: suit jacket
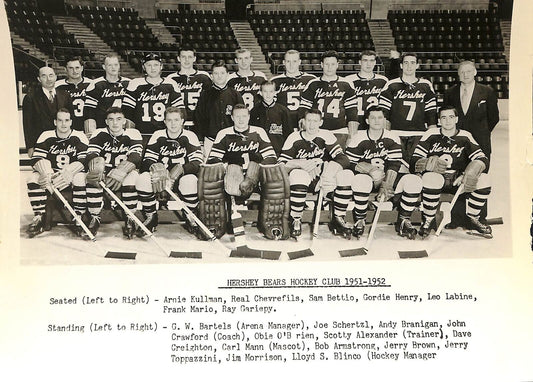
<point>38,113</point>
<point>482,114</point>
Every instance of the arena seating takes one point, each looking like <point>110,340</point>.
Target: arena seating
<point>208,32</point>
<point>311,33</point>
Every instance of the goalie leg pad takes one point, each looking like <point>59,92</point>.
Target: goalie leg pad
<point>212,204</point>
<point>275,206</point>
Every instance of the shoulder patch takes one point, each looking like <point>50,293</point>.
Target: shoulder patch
<point>45,135</point>
<point>133,134</point>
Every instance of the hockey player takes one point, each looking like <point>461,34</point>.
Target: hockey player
<point>103,93</point>
<point>334,97</point>
<point>191,82</point>
<point>290,85</point>
<point>214,110</point>
<point>172,158</point>
<point>305,154</point>
<point>271,116</point>
<point>367,85</point>
<point>58,160</point>
<point>75,84</point>
<point>147,98</point>
<point>375,158</point>
<point>447,157</point>
<point>113,156</point>
<point>409,104</point>
<point>245,80</point>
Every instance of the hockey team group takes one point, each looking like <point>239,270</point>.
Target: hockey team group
<point>211,140</point>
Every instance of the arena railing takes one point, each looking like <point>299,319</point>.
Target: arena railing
<point>428,5</point>
<point>103,3</point>
<point>307,6</point>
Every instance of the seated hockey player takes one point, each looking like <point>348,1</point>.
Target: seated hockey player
<point>113,156</point>
<point>58,161</point>
<point>172,159</point>
<point>314,159</point>
<point>447,157</point>
<point>375,157</point>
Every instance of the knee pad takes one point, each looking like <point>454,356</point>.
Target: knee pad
<point>144,182</point>
<point>344,178</point>
<point>78,180</point>
<point>299,176</point>
<point>188,184</point>
<point>412,184</point>
<point>362,183</point>
<point>484,181</point>
<point>131,178</point>
<point>33,178</point>
<point>433,181</point>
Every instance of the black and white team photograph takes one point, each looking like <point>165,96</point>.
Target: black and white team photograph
<point>249,132</point>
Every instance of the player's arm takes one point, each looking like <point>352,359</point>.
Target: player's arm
<point>286,128</point>
<point>385,103</point>
<point>151,155</point>
<point>430,108</point>
<point>422,161</point>
<point>116,176</point>
<point>266,151</point>
<point>129,103</point>
<point>218,151</point>
<point>493,114</point>
<point>306,102</point>
<point>194,155</point>
<point>352,114</point>
<point>394,158</point>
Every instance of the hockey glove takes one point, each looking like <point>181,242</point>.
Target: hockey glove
<point>44,168</point>
<point>96,171</point>
<point>250,181</point>
<point>471,175</point>
<point>328,180</point>
<point>159,176</point>
<point>386,190</point>
<point>435,164</point>
<point>63,178</point>
<point>234,177</point>
<point>374,172</point>
<point>116,176</point>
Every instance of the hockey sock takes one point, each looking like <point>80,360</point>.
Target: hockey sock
<point>79,199</point>
<point>37,197</point>
<point>129,197</point>
<point>361,204</point>
<point>476,200</point>
<point>297,199</point>
<point>341,198</point>
<point>147,199</point>
<point>430,201</point>
<point>408,203</point>
<point>94,199</point>
<point>190,200</point>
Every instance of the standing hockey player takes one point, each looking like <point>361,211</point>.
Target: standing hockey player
<point>75,84</point>
<point>409,104</point>
<point>104,92</point>
<point>271,116</point>
<point>334,97</point>
<point>172,159</point>
<point>367,85</point>
<point>58,160</point>
<point>147,98</point>
<point>291,84</point>
<point>214,110</point>
<point>191,82</point>
<point>245,80</point>
<point>447,157</point>
<point>113,156</point>
<point>314,156</point>
<point>375,158</point>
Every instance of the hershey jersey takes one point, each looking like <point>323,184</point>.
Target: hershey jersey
<point>323,146</point>
<point>240,148</point>
<point>366,91</point>
<point>409,107</point>
<point>184,150</point>
<point>77,94</point>
<point>335,99</point>
<point>145,103</point>
<point>289,91</point>
<point>60,151</point>
<point>274,119</point>
<point>248,87</point>
<point>101,95</point>
<point>457,150</point>
<point>115,149</point>
<point>190,87</point>
<point>384,153</point>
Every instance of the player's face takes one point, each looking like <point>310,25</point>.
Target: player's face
<point>111,66</point>
<point>174,123</point>
<point>74,70</point>
<point>268,92</point>
<point>448,119</point>
<point>63,123</point>
<point>467,74</point>
<point>312,123</point>
<point>244,60</point>
<point>187,59</point>
<point>241,117</point>
<point>153,68</point>
<point>367,63</point>
<point>409,65</point>
<point>376,120</point>
<point>47,77</point>
<point>330,66</point>
<point>220,76</point>
<point>116,123</point>
<point>292,63</point>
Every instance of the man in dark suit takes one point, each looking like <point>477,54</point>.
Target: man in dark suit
<point>40,106</point>
<point>476,104</point>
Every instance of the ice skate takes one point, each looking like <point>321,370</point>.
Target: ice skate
<point>339,227</point>
<point>405,228</point>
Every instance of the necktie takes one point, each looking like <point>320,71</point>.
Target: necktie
<point>464,100</point>
<point>51,95</point>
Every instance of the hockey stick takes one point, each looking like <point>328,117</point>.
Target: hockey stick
<point>109,254</point>
<point>308,251</point>
<point>364,250</point>
<point>242,249</point>
<point>452,203</point>
<point>135,219</point>
<point>206,230</point>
